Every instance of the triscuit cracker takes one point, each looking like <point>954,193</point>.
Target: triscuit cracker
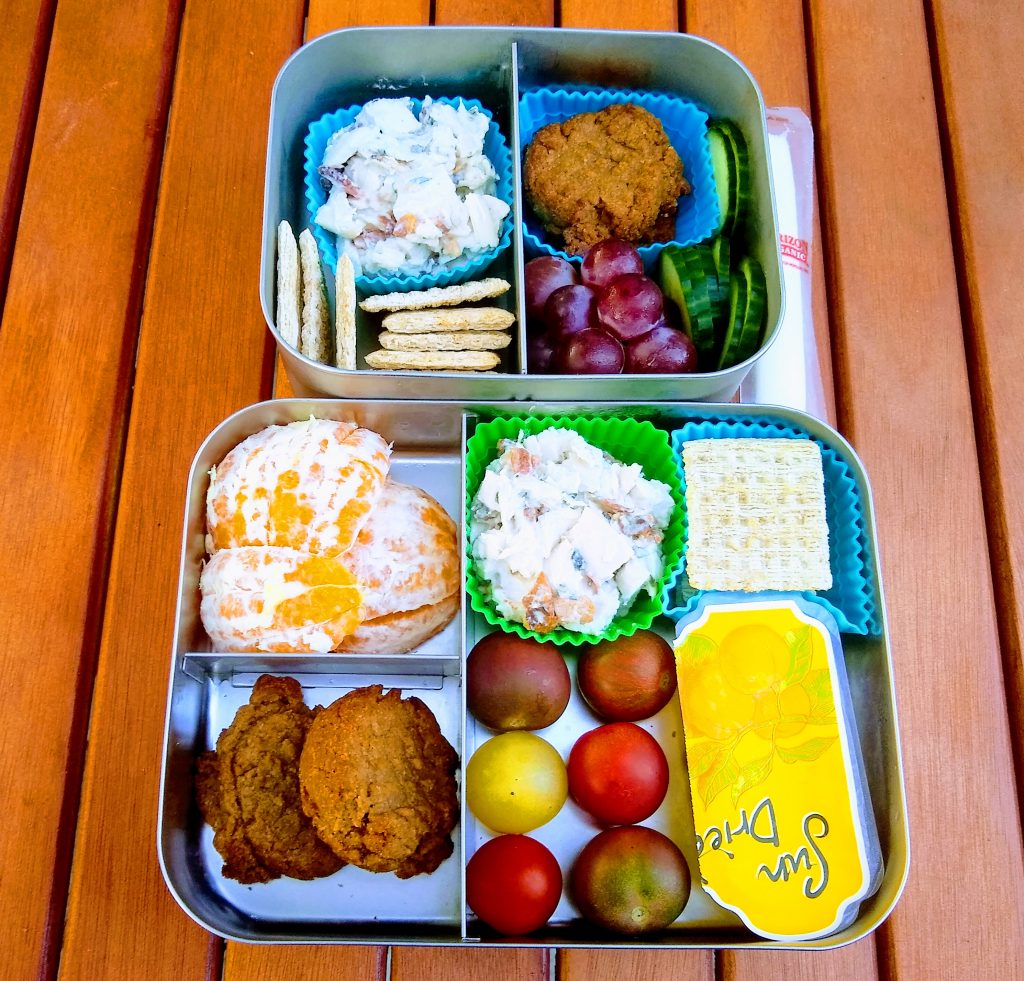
<point>345,314</point>
<point>432,360</point>
<point>755,510</point>
<point>453,340</point>
<point>431,321</point>
<point>289,302</point>
<point>316,323</point>
<point>437,296</point>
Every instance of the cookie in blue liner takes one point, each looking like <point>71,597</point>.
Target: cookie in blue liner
<point>851,598</point>
<point>467,267</point>
<point>685,126</point>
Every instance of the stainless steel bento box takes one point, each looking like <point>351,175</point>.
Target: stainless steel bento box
<point>494,65</point>
<point>355,906</point>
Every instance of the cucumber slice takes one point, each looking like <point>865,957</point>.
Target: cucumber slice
<point>723,168</point>
<point>721,252</point>
<point>734,328</point>
<point>736,145</point>
<point>746,317</point>
<point>684,286</point>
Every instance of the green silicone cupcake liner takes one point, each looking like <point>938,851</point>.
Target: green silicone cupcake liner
<point>628,441</point>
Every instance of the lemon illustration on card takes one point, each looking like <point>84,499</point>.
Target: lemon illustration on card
<point>785,834</point>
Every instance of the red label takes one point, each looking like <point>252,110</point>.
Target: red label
<point>796,251</point>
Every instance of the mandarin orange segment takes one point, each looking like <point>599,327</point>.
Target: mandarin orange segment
<point>308,485</point>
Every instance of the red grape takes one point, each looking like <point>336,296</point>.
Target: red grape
<point>591,352</point>
<point>608,259</point>
<point>540,352</point>
<point>569,310</point>
<point>663,351</point>
<point>630,306</point>
<point>542,276</point>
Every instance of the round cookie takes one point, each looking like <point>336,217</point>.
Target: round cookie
<point>378,781</point>
<point>248,790</point>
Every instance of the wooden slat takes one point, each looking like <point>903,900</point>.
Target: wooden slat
<point>636,965</point>
<point>258,963</point>
<point>24,42</point>
<point>460,964</point>
<point>777,59</point>
<point>203,353</point>
<point>439,964</point>
<point>66,351</point>
<point>984,128</point>
<point>645,15</point>
<point>904,400</point>
<point>535,13</point>
<point>593,965</point>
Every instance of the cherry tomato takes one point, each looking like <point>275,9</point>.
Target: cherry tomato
<point>618,773</point>
<point>513,883</point>
<point>628,679</point>
<point>631,880</point>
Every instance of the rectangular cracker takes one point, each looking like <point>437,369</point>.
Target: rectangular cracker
<point>316,329</point>
<point>289,303</point>
<point>453,340</point>
<point>437,296</point>
<point>432,360</point>
<point>345,314</point>
<point>755,510</point>
<point>431,321</point>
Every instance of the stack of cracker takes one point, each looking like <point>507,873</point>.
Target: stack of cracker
<point>303,316</point>
<point>428,330</point>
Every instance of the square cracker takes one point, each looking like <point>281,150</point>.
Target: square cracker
<point>345,314</point>
<point>316,329</point>
<point>755,511</point>
<point>289,302</point>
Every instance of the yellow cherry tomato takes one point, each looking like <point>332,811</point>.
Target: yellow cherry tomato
<point>516,782</point>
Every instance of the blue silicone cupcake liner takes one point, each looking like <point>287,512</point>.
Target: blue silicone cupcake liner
<point>686,127</point>
<point>851,599</point>
<point>469,266</point>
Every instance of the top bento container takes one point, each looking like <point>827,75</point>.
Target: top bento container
<point>496,65</point>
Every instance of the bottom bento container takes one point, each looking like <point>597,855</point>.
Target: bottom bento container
<point>354,906</point>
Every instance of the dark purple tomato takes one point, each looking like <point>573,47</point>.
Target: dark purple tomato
<point>542,276</point>
<point>630,306</point>
<point>629,678</point>
<point>569,310</point>
<point>663,351</point>
<point>609,259</point>
<point>591,352</point>
<point>516,683</point>
<point>630,880</point>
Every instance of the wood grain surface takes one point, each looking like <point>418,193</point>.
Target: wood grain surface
<point>203,352</point>
<point>982,122</point>
<point>132,142</point>
<point>24,44</point>
<point>904,400</point>
<point>67,343</point>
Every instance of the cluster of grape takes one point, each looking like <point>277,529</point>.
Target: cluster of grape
<point>606,319</point>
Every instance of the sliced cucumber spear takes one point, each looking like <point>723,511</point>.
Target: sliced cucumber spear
<point>747,297</point>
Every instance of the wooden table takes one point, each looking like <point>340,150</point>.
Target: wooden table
<point>132,142</point>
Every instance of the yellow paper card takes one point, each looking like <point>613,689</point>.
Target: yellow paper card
<point>779,822</point>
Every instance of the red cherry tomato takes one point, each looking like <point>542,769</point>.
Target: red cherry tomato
<point>618,773</point>
<point>513,883</point>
